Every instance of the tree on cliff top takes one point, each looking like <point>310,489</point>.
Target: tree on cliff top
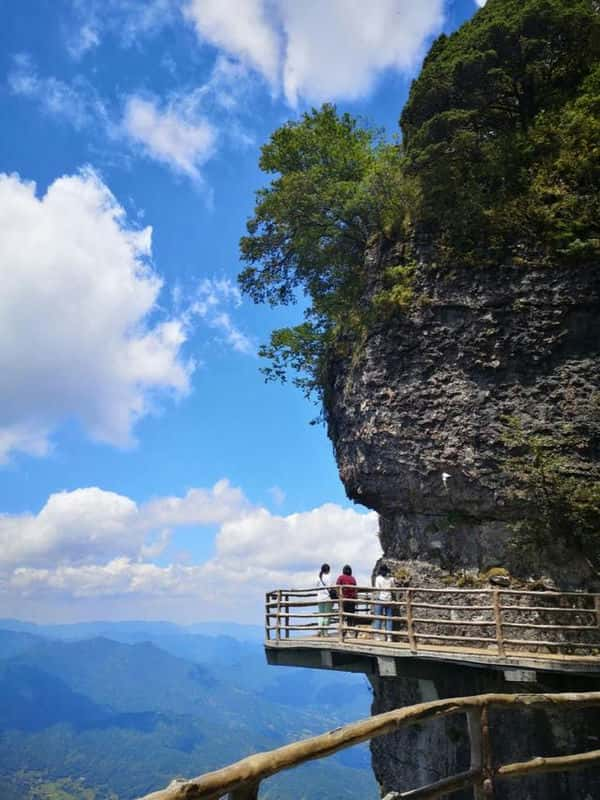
<point>336,184</point>
<point>501,128</point>
<point>500,159</point>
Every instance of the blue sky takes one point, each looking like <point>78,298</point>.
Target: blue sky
<point>146,470</point>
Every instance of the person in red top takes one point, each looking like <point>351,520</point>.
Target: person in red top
<point>348,595</point>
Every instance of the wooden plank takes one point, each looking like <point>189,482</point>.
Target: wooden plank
<point>409,622</point>
<point>452,607</point>
<point>498,622</point>
<point>455,638</point>
<point>550,594</point>
<point>541,764</point>
<point>549,627</point>
<point>553,609</point>
<point>437,621</point>
<point>442,788</point>
<point>517,658</point>
<point>587,645</point>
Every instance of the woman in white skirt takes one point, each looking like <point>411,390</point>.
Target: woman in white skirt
<point>324,598</point>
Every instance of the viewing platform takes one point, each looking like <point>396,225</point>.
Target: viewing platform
<point>518,632</point>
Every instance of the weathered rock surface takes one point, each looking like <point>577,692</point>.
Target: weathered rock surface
<point>417,420</point>
<point>417,416</point>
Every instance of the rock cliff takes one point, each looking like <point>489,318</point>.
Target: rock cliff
<point>418,414</point>
<point>417,419</point>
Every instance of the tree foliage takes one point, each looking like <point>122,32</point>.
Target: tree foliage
<point>501,128</point>
<point>335,185</point>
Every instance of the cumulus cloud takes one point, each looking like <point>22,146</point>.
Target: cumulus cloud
<point>243,29</point>
<point>184,141</point>
<point>79,337</point>
<point>319,51</point>
<point>90,543</point>
<point>79,527</point>
<point>182,131</point>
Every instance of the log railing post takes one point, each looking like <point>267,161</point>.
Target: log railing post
<point>498,621</point>
<point>486,753</point>
<point>278,616</point>
<point>340,602</point>
<point>412,640</point>
<point>597,603</point>
<point>476,744</point>
<point>268,616</point>
<point>287,616</point>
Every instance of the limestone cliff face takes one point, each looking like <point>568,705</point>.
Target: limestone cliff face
<point>417,415</point>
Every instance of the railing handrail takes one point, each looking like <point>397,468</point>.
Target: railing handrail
<point>438,589</point>
<point>498,617</point>
<point>241,779</point>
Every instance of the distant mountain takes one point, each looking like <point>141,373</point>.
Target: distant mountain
<point>149,629</point>
<point>126,717</point>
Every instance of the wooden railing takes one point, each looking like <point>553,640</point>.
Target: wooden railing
<point>498,621</point>
<point>241,781</point>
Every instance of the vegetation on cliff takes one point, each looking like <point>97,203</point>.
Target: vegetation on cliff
<point>563,506</point>
<point>502,128</point>
<point>499,159</point>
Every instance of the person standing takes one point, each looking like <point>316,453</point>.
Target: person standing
<point>324,598</point>
<point>383,585</point>
<point>348,597</point>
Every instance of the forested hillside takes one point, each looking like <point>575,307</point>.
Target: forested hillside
<point>99,719</point>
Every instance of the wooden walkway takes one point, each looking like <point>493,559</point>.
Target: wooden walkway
<point>241,781</point>
<point>502,628</point>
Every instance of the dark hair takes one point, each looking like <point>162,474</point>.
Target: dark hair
<point>384,569</point>
<point>347,570</point>
<point>324,568</point>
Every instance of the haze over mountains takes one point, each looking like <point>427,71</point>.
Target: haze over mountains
<point>98,711</point>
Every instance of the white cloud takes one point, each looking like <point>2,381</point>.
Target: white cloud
<point>94,544</point>
<point>179,139</point>
<point>319,51</point>
<point>126,20</point>
<point>338,48</point>
<point>242,29</point>
<point>78,334</point>
<point>196,507</point>
<point>211,296</point>
<point>81,526</point>
<point>183,131</point>
<point>84,40</point>
<point>480,3</point>
<point>77,102</point>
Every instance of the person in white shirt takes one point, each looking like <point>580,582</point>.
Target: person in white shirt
<point>324,598</point>
<point>383,584</point>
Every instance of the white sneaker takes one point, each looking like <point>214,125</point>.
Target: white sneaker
<point>388,637</point>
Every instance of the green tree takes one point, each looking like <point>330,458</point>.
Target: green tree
<point>480,128</point>
<point>336,184</point>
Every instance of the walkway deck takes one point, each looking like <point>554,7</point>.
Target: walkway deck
<point>501,629</point>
